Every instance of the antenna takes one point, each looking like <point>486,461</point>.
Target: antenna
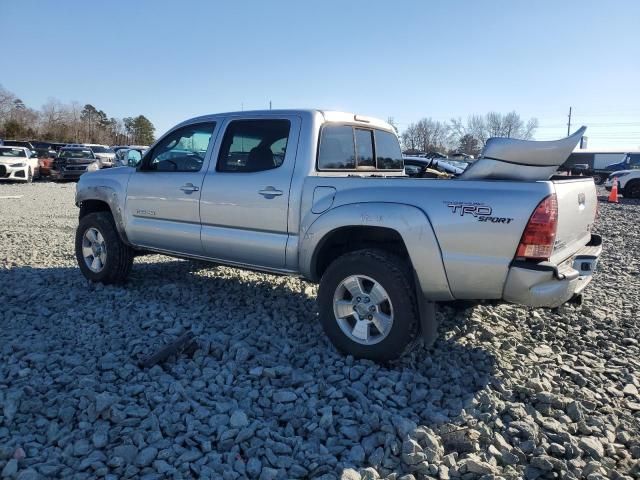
<point>569,123</point>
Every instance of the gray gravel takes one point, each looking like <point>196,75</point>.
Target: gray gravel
<point>505,393</point>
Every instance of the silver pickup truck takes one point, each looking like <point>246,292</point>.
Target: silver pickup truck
<point>323,195</point>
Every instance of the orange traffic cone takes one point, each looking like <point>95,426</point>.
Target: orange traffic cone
<point>613,196</point>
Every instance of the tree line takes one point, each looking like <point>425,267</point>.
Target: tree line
<point>469,137</point>
<point>69,122</point>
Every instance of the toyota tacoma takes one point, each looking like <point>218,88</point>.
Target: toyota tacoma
<point>323,195</point>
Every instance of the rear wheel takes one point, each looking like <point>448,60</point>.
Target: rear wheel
<point>101,254</point>
<point>599,179</point>
<point>367,305</point>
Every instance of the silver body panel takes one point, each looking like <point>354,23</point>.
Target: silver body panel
<point>455,253</point>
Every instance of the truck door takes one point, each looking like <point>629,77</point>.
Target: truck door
<point>245,195</point>
<point>163,195</point>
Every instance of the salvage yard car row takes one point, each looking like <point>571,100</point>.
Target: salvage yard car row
<point>23,161</point>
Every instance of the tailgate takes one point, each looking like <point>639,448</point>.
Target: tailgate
<point>577,204</point>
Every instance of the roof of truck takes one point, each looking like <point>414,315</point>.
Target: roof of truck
<point>329,116</point>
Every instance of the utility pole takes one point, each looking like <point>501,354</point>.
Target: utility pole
<point>569,123</point>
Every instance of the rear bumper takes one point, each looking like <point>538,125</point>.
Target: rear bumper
<point>548,285</point>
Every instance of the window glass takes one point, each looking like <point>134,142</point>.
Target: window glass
<point>183,150</point>
<point>388,153</point>
<point>634,160</point>
<point>101,150</point>
<point>253,145</point>
<point>364,148</point>
<point>337,150</point>
<point>76,153</point>
<point>12,152</point>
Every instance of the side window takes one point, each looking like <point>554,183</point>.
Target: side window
<point>181,151</point>
<point>337,148</point>
<point>388,153</point>
<point>253,145</point>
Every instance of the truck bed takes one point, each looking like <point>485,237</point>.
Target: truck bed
<point>477,223</point>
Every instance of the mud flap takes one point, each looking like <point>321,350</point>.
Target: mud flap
<point>428,322</point>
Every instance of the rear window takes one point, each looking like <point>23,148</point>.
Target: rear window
<point>344,147</point>
<point>101,150</point>
<point>388,153</point>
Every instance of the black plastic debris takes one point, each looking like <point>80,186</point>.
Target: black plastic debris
<point>185,344</point>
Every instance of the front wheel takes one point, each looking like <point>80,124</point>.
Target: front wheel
<point>632,190</point>
<point>367,305</point>
<point>599,179</point>
<point>101,254</point>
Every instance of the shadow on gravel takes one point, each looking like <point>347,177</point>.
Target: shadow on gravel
<point>262,351</point>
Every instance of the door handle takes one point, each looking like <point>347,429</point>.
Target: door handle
<point>189,188</point>
<point>270,192</point>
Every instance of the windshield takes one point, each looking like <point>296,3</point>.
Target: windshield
<point>12,152</point>
<point>76,154</point>
<point>101,150</point>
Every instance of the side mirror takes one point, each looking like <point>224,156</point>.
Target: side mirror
<point>133,158</point>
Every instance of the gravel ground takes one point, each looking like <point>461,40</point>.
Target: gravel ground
<point>506,392</point>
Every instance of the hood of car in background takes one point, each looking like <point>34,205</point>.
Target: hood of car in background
<point>9,160</point>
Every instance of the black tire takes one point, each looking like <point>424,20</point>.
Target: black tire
<point>393,274</point>
<point>119,257</point>
<point>599,179</point>
<point>29,175</point>
<point>632,190</point>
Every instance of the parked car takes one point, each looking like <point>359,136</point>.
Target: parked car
<point>600,164</point>
<point>105,154</point>
<point>46,158</point>
<point>628,182</point>
<point>18,164</point>
<point>323,195</point>
<point>72,162</point>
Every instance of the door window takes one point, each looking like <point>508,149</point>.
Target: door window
<point>253,145</point>
<point>181,151</point>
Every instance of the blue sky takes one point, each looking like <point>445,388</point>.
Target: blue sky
<point>405,59</point>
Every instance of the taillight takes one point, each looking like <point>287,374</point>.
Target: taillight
<point>539,235</point>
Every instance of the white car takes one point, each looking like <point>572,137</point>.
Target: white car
<point>18,164</point>
<point>628,182</point>
<point>105,154</point>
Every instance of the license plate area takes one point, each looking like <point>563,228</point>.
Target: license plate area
<point>585,265</point>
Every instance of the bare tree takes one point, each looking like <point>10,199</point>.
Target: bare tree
<point>426,135</point>
<point>494,124</point>
<point>6,103</point>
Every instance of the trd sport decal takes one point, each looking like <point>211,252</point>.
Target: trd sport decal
<point>477,210</point>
